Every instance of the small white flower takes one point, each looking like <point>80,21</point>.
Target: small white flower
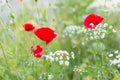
<point>115,61</point>
<point>61,62</point>
<point>61,57</point>
<point>113,30</point>
<point>118,56</point>
<point>51,59</point>
<point>67,57</point>
<point>91,38</point>
<point>83,43</point>
<point>72,55</point>
<point>67,63</point>
<point>50,76</point>
<point>116,51</point>
<point>66,53</point>
<point>110,55</point>
<point>118,65</point>
<point>103,35</point>
<point>56,59</point>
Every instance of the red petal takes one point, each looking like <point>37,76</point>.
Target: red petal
<point>45,34</point>
<point>38,55</point>
<point>50,39</point>
<point>94,19</point>
<point>38,49</point>
<point>28,27</point>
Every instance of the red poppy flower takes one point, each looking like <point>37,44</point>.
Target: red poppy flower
<point>28,27</point>
<point>92,21</point>
<point>37,51</point>
<point>45,34</point>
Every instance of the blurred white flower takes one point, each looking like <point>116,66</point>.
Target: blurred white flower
<point>110,55</point>
<point>72,55</point>
<point>116,51</point>
<point>113,30</point>
<point>67,63</point>
<point>56,59</point>
<point>71,30</point>
<point>118,65</point>
<point>50,76</point>
<point>67,57</point>
<point>115,58</point>
<point>60,56</point>
<point>61,62</point>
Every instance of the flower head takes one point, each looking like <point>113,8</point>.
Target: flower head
<point>28,27</point>
<point>37,51</point>
<point>92,20</point>
<point>45,34</point>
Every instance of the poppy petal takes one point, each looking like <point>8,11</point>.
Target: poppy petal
<point>92,20</point>
<point>38,55</point>
<point>45,34</point>
<point>28,27</point>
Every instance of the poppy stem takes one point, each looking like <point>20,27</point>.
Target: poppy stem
<point>38,13</point>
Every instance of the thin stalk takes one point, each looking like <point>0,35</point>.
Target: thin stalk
<point>38,13</point>
<point>4,55</point>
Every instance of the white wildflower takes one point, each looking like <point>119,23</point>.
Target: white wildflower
<point>118,65</point>
<point>116,51</point>
<point>50,76</point>
<point>56,59</point>
<point>113,30</point>
<point>118,56</point>
<point>67,57</point>
<point>72,55</point>
<point>61,62</point>
<point>83,43</point>
<point>110,55</point>
<point>103,35</point>
<point>61,57</point>
<point>71,30</point>
<point>67,63</point>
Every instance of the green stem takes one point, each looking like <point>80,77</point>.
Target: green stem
<point>38,13</point>
<point>4,55</point>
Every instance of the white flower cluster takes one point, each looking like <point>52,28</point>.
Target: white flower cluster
<point>109,5</point>
<point>63,57</point>
<point>71,30</point>
<point>99,32</point>
<point>115,58</point>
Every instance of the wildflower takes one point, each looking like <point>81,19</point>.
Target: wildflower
<point>50,76</point>
<point>116,51</point>
<point>28,27</point>
<point>110,55</point>
<point>113,30</point>
<point>71,30</point>
<point>72,55</point>
<point>92,20</point>
<point>61,62</point>
<point>67,63</point>
<point>37,51</point>
<point>45,34</point>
